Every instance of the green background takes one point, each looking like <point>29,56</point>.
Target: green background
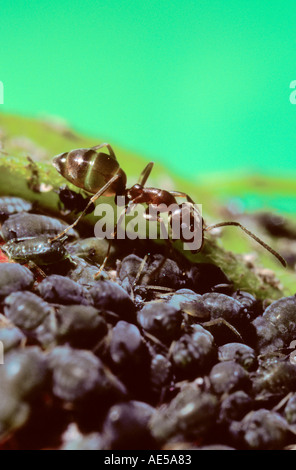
<point>198,85</point>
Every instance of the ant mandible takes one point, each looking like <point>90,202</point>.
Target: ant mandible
<point>100,174</point>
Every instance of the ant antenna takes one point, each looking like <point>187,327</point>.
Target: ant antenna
<point>258,240</point>
<point>145,174</point>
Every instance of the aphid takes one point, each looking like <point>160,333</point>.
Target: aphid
<point>130,358</point>
<point>276,328</point>
<point>32,225</point>
<point>224,310</point>
<point>154,271</point>
<point>62,290</point>
<point>127,425</point>
<point>162,320</point>
<point>234,407</point>
<point>38,250</point>
<point>191,304</point>
<point>84,273</point>
<point>248,301</point>
<point>240,353</point>
<point>72,201</point>
<point>14,278</point>
<point>223,306</point>
<point>108,295</point>
<point>193,353</point>
<point>13,205</point>
<point>229,376</point>
<point>100,174</point>
<point>91,249</point>
<point>160,373</point>
<point>11,337</point>
<point>260,430</point>
<point>78,373</point>
<point>127,347</point>
<point>190,416</point>
<point>25,309</point>
<point>24,372</point>
<point>275,379</point>
<point>14,413</point>
<point>82,326</point>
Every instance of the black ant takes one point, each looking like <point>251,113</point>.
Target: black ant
<point>100,174</point>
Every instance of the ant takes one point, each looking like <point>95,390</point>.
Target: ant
<point>100,174</point>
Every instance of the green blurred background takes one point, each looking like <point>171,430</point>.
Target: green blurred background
<point>199,85</point>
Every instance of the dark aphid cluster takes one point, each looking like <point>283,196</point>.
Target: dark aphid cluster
<point>151,354</point>
<point>24,226</point>
<point>72,201</point>
<point>28,239</point>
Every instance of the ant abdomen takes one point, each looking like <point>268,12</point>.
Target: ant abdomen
<point>90,170</point>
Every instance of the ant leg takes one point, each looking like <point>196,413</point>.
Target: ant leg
<point>258,240</point>
<point>104,261</point>
<point>181,194</point>
<point>145,174</point>
<point>188,199</point>
<point>164,230</point>
<point>169,244</point>
<point>121,217</point>
<point>140,270</point>
<point>219,321</point>
<point>159,219</point>
<point>108,146</point>
<point>282,402</point>
<point>91,201</point>
<point>156,341</point>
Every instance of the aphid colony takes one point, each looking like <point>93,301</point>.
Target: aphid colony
<point>151,354</point>
<point>139,361</point>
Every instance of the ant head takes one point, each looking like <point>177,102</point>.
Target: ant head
<point>135,191</point>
